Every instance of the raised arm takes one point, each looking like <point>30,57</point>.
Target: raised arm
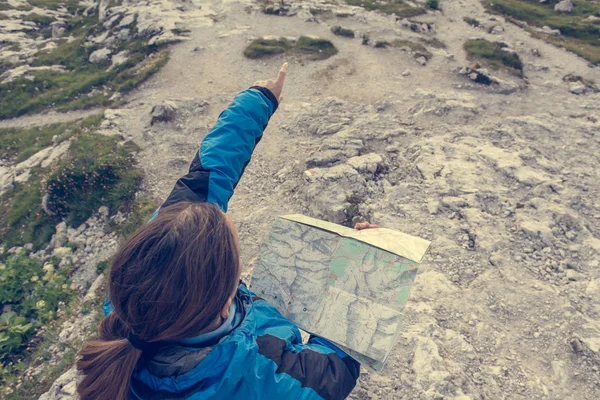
<point>225,152</point>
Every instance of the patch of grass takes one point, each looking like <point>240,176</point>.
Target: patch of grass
<point>17,145</point>
<point>579,34</point>
<point>34,291</point>
<point>14,47</point>
<point>315,49</point>
<point>69,90</point>
<point>339,31</point>
<point>433,42</point>
<point>394,7</point>
<point>493,53</point>
<point>101,266</point>
<point>418,49</point>
<point>7,7</point>
<point>472,21</point>
<point>83,84</point>
<point>261,48</point>
<point>310,48</point>
<point>433,4</point>
<point>72,6</point>
<point>483,78</point>
<point>96,171</point>
<point>41,20</point>
<point>381,44</point>
<point>21,217</point>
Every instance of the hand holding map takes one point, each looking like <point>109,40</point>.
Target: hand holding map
<point>345,285</point>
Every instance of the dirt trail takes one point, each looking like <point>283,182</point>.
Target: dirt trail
<point>505,185</point>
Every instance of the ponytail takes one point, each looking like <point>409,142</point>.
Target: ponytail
<point>169,281</point>
<point>107,363</point>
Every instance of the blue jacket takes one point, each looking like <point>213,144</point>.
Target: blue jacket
<point>263,357</point>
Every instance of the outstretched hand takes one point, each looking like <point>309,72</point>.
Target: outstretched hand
<point>365,225</point>
<point>275,86</point>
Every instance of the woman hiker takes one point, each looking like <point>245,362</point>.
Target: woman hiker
<point>180,323</point>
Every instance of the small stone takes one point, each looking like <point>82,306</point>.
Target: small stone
<point>577,88</point>
<point>123,35</point>
<point>165,112</point>
<point>101,56</point>
<point>564,6</point>
<point>128,20</point>
<point>406,73</point>
<point>433,207</point>
<point>536,335</point>
<point>62,252</point>
<point>367,163</point>
<point>496,30</point>
<point>422,60</point>
<point>103,211</point>
<point>573,275</point>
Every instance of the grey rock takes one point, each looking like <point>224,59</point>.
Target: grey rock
<point>326,158</point>
<point>367,163</point>
<point>496,30</point>
<point>164,112</point>
<point>564,6</point>
<point>62,252</point>
<point>101,56</point>
<point>123,35</point>
<point>109,23</point>
<point>126,21</point>
<point>58,29</point>
<point>64,388</point>
<point>120,58</point>
<point>103,211</point>
<point>573,275</point>
<point>422,60</point>
<point>577,87</point>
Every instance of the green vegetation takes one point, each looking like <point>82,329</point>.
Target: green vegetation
<point>71,90</point>
<point>433,4</point>
<point>338,30</point>
<point>418,49</point>
<point>34,291</point>
<point>493,53</point>
<point>96,171</point>
<point>482,78</point>
<point>17,145</point>
<point>433,42</point>
<point>42,20</point>
<point>395,7</point>
<point>260,48</point>
<point>71,5</point>
<point>580,35</point>
<point>472,21</point>
<point>82,84</point>
<point>7,7</point>
<point>309,48</point>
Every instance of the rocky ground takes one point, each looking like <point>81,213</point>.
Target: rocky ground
<point>503,180</point>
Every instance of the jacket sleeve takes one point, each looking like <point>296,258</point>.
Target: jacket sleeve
<point>226,150</point>
<point>318,365</point>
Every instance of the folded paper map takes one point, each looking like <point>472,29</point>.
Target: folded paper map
<point>345,285</point>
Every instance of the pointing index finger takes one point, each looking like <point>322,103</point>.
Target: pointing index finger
<point>282,73</point>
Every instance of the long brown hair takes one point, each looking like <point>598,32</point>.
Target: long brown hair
<point>169,281</point>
